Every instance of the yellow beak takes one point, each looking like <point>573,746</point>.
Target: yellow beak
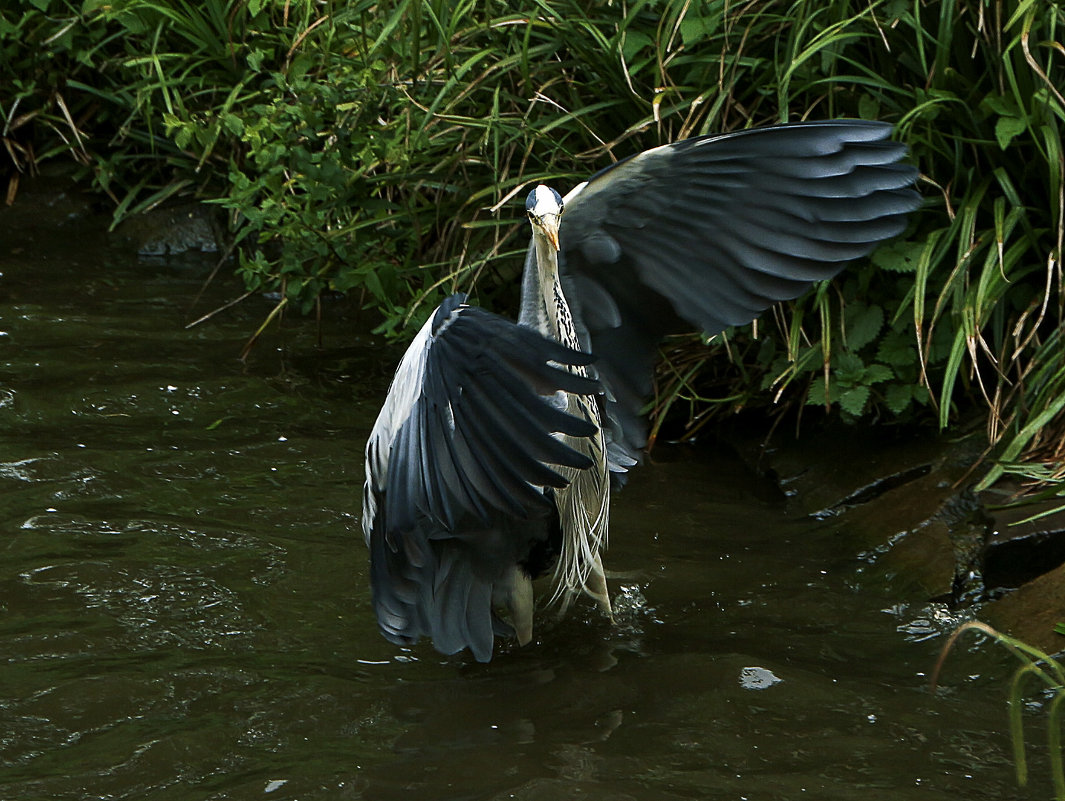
<point>549,225</point>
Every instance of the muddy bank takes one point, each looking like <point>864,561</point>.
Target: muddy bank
<point>903,500</point>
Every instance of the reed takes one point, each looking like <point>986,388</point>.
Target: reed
<point>1034,665</point>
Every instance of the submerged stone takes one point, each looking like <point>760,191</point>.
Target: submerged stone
<point>896,497</point>
<point>1019,548</point>
<point>172,230</point>
<point>1031,612</point>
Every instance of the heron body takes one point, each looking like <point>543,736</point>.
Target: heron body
<point>492,460</point>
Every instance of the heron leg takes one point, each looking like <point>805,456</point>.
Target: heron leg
<point>520,604</point>
<point>595,586</point>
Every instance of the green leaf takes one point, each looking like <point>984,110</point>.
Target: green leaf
<point>1007,128</point>
<point>898,257</point>
<point>1003,106</point>
<point>849,367</point>
<point>255,59</point>
<point>863,325</point>
<point>868,107</point>
<point>853,400</point>
<point>233,124</point>
<point>898,397</point>
<point>634,42</point>
<point>875,373</point>
<point>897,349</point>
<point>373,283</point>
<point>692,30</point>
<point>816,396</point>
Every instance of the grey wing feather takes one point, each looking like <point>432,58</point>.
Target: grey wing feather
<point>709,232</point>
<point>479,435</point>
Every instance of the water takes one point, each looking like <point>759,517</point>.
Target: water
<point>185,611</point>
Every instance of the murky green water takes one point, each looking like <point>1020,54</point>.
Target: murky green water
<point>184,602</point>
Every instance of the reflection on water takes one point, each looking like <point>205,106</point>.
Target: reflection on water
<point>184,599</point>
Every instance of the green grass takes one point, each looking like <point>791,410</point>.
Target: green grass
<point>1034,664</point>
<point>381,150</point>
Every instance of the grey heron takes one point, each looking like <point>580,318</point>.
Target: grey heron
<point>492,460</point>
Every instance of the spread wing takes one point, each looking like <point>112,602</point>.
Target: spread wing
<point>466,428</point>
<point>711,231</point>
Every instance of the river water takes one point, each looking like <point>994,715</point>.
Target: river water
<point>185,610</point>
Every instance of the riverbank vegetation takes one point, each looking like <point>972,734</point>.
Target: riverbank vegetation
<point>1034,664</point>
<point>382,149</point>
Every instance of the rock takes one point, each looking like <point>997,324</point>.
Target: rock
<point>1017,548</point>
<point>172,230</point>
<point>927,555</point>
<point>844,468</point>
<point>896,497</point>
<point>1030,613</point>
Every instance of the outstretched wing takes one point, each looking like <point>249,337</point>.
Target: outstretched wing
<point>713,230</point>
<point>456,470</point>
<point>466,428</point>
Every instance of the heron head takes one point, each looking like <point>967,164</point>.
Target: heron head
<point>544,207</point>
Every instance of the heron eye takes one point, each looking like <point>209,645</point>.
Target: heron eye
<point>561,208</point>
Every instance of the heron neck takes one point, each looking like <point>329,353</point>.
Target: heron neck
<point>557,317</point>
<point>544,306</point>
